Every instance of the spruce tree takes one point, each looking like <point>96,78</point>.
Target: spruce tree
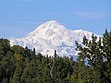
<point>98,53</point>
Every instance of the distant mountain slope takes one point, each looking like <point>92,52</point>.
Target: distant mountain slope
<point>52,36</point>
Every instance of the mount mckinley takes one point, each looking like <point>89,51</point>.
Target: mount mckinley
<point>52,36</point>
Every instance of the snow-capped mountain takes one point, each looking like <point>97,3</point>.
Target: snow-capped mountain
<point>52,36</point>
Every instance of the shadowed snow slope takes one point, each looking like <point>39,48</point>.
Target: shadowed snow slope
<point>52,36</point>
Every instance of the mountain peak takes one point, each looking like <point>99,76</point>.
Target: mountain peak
<point>52,36</point>
<point>52,22</point>
<point>49,28</point>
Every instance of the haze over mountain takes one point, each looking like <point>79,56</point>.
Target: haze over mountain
<point>52,36</point>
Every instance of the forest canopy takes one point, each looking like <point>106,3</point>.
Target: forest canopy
<point>23,65</point>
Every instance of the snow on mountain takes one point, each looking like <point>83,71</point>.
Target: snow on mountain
<point>52,36</point>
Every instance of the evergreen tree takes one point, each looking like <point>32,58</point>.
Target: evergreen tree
<point>4,47</point>
<point>98,54</point>
<point>55,54</point>
<point>34,55</point>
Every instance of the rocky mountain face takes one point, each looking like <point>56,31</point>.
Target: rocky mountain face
<point>52,36</point>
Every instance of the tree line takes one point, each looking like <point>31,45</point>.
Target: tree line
<point>23,65</point>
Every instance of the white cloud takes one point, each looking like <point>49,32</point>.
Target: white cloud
<point>88,15</point>
<point>22,22</point>
<point>28,22</point>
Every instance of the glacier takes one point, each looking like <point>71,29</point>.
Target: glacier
<point>52,36</point>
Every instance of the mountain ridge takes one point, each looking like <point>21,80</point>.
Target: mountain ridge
<point>52,36</point>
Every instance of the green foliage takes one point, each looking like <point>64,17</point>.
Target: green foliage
<point>4,47</point>
<point>22,65</point>
<point>98,54</point>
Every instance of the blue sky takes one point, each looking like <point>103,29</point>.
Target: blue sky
<point>19,17</point>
